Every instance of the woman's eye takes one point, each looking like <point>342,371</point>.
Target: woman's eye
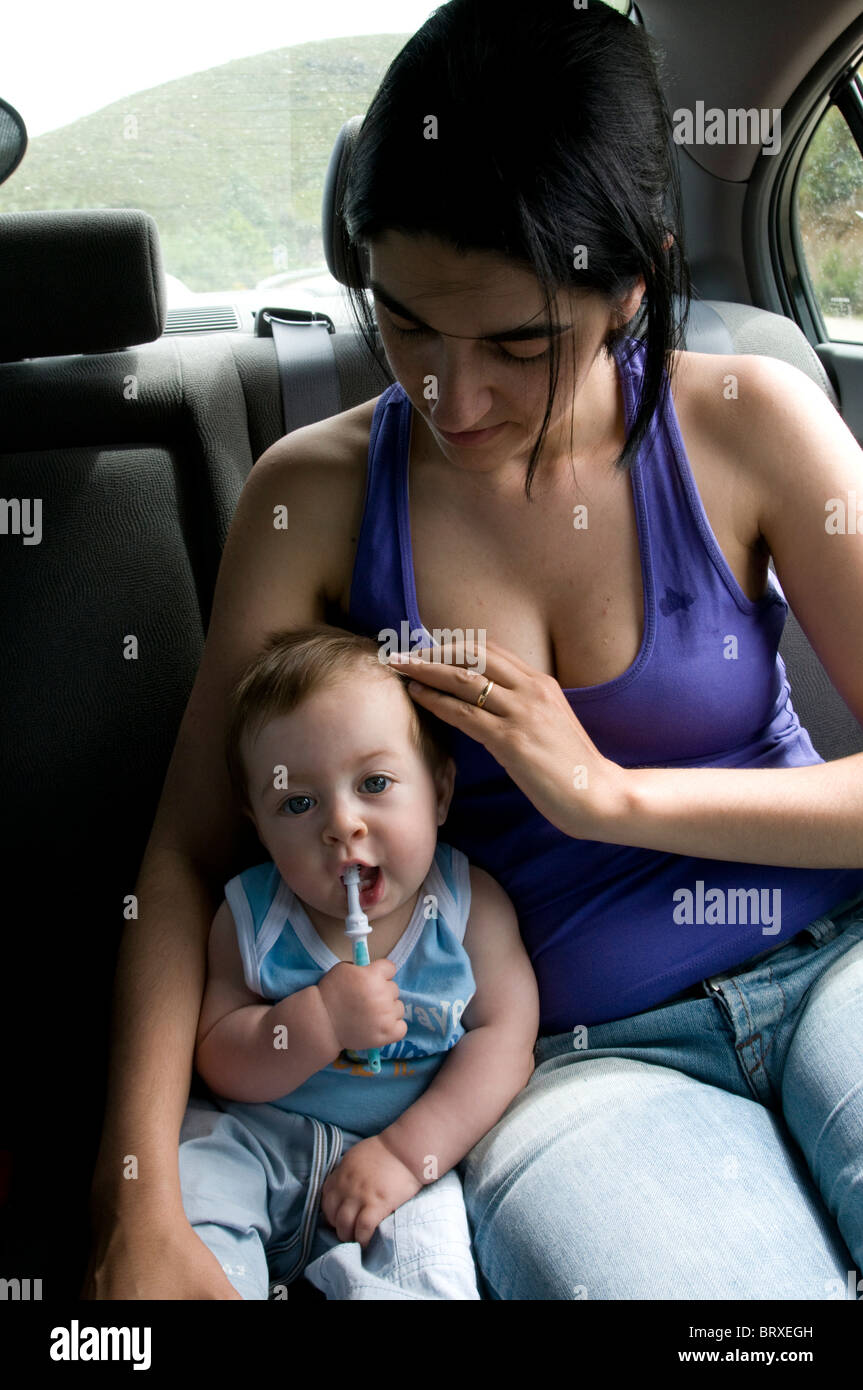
<point>376,779</point>
<point>528,356</point>
<point>297,804</point>
<point>407,332</point>
<point>495,347</point>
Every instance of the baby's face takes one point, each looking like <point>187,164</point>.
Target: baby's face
<point>358,790</point>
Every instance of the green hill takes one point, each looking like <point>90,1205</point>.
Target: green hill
<point>229,161</point>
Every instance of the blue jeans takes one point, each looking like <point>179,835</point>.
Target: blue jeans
<point>710,1148</point>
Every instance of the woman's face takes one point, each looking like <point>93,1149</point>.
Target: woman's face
<point>439,350</point>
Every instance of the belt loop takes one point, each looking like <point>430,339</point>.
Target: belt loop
<point>823,929</point>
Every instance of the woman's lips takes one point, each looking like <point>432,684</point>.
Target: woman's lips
<point>471,438</point>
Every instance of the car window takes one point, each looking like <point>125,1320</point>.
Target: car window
<point>829,213</point>
<point>228,156</point>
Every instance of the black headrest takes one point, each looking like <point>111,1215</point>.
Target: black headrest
<point>332,226</point>
<point>79,281</point>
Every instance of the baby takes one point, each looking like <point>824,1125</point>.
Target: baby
<point>335,765</point>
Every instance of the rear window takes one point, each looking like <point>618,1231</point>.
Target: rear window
<point>829,212</point>
<point>219,123</point>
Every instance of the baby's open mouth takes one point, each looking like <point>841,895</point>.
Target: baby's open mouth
<point>369,874</point>
<point>371,886</point>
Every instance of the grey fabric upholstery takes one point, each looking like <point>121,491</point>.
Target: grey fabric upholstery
<point>705,330</point>
<point>78,281</point>
<point>138,458</point>
<point>833,729</point>
<point>764,334</point>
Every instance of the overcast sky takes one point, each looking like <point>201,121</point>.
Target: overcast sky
<point>60,61</point>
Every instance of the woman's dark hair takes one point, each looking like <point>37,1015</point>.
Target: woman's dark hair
<point>552,133</point>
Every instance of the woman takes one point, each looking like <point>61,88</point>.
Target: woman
<point>630,765</point>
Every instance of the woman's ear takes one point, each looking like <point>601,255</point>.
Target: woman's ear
<point>629,306</point>
<point>666,245</point>
<point>632,303</point>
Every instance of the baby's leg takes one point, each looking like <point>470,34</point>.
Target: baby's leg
<point>224,1189</point>
<point>422,1250</point>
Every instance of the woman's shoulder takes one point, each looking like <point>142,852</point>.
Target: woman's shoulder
<point>318,474</point>
<point>725,403</point>
<point>729,394</point>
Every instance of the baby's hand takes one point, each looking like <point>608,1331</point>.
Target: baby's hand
<point>368,1184</point>
<point>363,1004</point>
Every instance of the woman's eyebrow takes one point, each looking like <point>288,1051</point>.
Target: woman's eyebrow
<point>511,335</point>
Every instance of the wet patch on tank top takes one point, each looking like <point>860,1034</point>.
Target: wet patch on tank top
<point>673,602</point>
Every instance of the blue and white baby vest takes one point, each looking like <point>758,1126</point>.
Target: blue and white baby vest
<point>282,952</point>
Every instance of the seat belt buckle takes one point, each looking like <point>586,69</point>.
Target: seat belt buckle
<point>293,318</point>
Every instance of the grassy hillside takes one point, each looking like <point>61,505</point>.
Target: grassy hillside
<point>230,161</point>
<point>231,164</point>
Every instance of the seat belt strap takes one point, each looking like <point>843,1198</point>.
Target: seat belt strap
<point>307,369</point>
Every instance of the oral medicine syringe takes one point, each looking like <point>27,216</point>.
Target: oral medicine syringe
<point>357,928</point>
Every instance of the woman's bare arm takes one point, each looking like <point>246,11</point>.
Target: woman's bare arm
<point>269,578</point>
<point>806,471</point>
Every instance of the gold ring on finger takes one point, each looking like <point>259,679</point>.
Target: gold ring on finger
<point>484,694</point>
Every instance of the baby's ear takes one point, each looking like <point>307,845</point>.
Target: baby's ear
<point>445,785</point>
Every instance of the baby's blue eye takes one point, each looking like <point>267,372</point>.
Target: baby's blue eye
<point>376,777</point>
<point>297,804</point>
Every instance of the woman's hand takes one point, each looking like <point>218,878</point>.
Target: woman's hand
<point>368,1184</point>
<point>527,724</point>
<point>160,1259</point>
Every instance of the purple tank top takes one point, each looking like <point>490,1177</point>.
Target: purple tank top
<point>612,930</point>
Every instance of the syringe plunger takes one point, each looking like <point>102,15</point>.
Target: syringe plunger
<point>356,922</point>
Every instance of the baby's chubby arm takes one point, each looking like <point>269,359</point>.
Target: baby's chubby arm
<point>237,1048</point>
<point>493,1061</point>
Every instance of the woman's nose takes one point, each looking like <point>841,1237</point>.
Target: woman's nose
<point>461,396</point>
